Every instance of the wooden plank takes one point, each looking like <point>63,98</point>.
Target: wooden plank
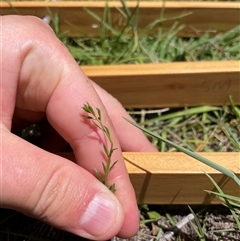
<point>175,178</point>
<point>170,84</point>
<point>203,16</point>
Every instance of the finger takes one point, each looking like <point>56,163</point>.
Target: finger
<point>87,141</point>
<point>124,130</point>
<point>56,191</point>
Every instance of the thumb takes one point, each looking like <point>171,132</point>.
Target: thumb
<point>56,191</point>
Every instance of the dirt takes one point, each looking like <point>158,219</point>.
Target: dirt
<point>18,227</point>
<point>212,219</point>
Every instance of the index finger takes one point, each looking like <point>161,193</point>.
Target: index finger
<point>65,113</point>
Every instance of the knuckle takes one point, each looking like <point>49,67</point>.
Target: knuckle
<point>59,194</point>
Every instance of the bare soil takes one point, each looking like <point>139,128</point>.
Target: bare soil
<point>215,222</point>
<point>18,227</point>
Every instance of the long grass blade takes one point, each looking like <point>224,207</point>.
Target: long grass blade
<point>190,111</point>
<point>190,153</point>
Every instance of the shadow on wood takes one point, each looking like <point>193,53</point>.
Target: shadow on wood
<point>175,178</point>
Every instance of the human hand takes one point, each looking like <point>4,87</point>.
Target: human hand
<point>41,81</point>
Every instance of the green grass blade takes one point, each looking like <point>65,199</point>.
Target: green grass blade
<point>15,9</point>
<point>163,144</point>
<point>230,135</point>
<point>190,153</point>
<point>236,110</point>
<point>235,216</point>
<point>162,19</point>
<point>233,200</point>
<point>190,111</point>
<point>129,14</point>
<point>198,230</point>
<point>100,20</point>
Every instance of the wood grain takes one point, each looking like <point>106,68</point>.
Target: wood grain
<point>170,84</point>
<point>175,178</point>
<point>204,17</point>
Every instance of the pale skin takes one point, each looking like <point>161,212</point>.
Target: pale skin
<point>41,81</point>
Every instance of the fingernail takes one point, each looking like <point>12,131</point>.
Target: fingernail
<point>101,213</point>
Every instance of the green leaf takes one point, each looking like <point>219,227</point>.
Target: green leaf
<point>99,176</point>
<point>112,188</point>
<point>111,167</point>
<point>85,108</point>
<point>104,168</point>
<point>107,132</point>
<point>105,150</point>
<point>99,114</point>
<point>153,215</point>
<point>87,117</point>
<point>91,110</point>
<point>112,150</point>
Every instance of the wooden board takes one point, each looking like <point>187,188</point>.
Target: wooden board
<point>175,178</point>
<point>153,85</point>
<point>211,17</point>
<point>170,84</point>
